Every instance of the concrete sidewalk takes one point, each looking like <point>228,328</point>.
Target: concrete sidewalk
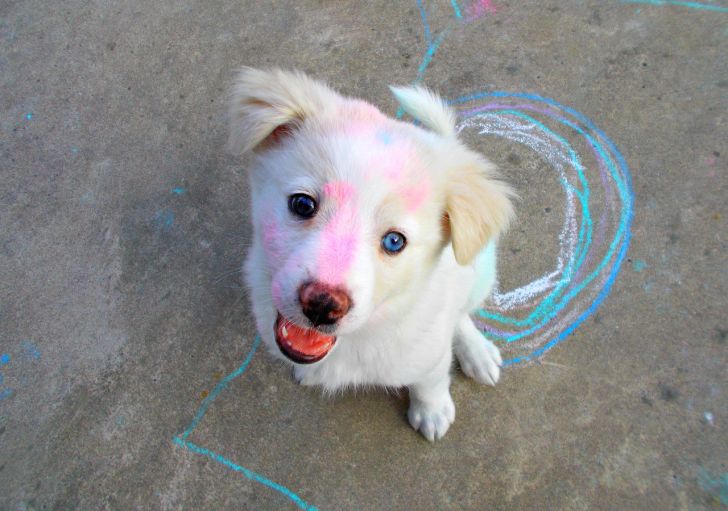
<point>129,372</point>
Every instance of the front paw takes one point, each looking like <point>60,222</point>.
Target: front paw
<point>432,419</point>
<point>480,360</point>
<point>301,375</point>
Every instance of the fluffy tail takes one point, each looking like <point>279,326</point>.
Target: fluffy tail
<point>427,107</point>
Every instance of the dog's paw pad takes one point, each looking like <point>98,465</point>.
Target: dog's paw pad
<point>432,421</point>
<point>481,362</point>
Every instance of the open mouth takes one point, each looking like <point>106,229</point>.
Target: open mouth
<point>302,345</point>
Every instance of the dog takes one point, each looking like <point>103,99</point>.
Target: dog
<point>373,239</point>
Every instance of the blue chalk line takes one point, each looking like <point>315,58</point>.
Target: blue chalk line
<point>455,8</point>
<point>623,181</point>
<point>219,388</point>
<point>253,476</point>
<point>692,5</point>
<point>432,47</point>
<point>182,440</point>
<point>425,24</point>
<point>584,237</point>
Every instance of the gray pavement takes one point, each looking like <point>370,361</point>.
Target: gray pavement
<point>129,375</point>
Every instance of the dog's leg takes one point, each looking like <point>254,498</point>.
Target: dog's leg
<point>431,409</point>
<point>303,375</point>
<point>479,358</point>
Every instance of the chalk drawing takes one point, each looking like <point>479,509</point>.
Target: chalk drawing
<point>4,393</point>
<point>533,318</point>
<point>30,352</point>
<point>716,486</point>
<point>480,8</point>
<point>638,265</point>
<point>476,9</point>
<point>558,302</point>
<point>164,219</point>
<point>527,321</point>
<point>183,441</point>
<point>692,5</point>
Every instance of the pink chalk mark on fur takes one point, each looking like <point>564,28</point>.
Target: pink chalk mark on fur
<point>393,163</point>
<point>414,196</point>
<point>276,292</point>
<point>369,110</point>
<point>395,160</point>
<point>339,191</point>
<point>270,238</point>
<point>363,119</point>
<point>339,238</point>
<point>364,111</point>
<point>357,129</point>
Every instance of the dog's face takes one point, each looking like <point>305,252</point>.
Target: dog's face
<point>349,216</point>
<point>352,209</point>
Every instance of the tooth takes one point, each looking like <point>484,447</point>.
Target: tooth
<point>284,331</point>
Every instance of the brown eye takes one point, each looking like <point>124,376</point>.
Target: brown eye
<point>302,205</point>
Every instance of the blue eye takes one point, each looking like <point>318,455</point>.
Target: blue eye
<point>393,242</point>
<point>302,205</point>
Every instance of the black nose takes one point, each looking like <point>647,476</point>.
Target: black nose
<point>323,304</point>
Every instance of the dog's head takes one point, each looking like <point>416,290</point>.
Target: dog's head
<point>352,209</point>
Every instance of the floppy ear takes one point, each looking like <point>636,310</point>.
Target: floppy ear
<point>478,205</point>
<point>478,208</point>
<point>266,105</point>
<point>426,107</point>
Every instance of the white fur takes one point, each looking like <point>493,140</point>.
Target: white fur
<point>426,107</point>
<point>410,311</point>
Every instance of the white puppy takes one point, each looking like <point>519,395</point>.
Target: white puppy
<point>373,239</point>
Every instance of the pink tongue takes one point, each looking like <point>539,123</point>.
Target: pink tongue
<point>305,340</point>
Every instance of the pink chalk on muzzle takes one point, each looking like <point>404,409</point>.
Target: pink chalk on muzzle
<point>340,236</point>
